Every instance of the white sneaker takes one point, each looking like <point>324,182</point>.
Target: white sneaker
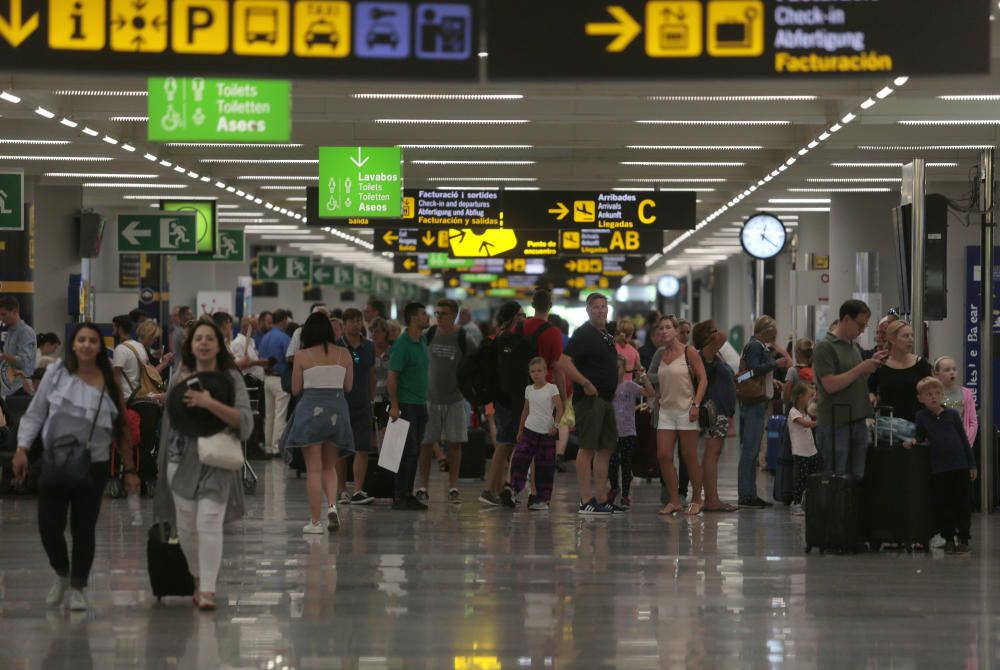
<point>345,498</point>
<point>77,601</point>
<point>136,518</point>
<point>937,541</point>
<point>314,529</point>
<point>332,518</point>
<point>58,592</point>
<point>797,510</point>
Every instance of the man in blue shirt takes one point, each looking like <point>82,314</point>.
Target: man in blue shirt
<point>272,348</point>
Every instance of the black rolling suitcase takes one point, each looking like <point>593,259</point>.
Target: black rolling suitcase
<point>474,456</point>
<point>168,569</point>
<point>897,494</point>
<point>833,506</point>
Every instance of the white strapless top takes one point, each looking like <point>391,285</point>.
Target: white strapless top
<point>324,377</point>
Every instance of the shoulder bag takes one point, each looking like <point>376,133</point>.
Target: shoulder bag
<point>221,450</point>
<point>707,413</point>
<point>66,462</point>
<point>150,382</point>
<point>752,391</point>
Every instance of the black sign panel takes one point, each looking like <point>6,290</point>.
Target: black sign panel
<point>606,266</point>
<point>613,210</point>
<point>403,39</point>
<point>654,39</point>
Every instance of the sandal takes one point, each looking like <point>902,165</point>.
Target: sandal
<point>669,510</point>
<point>206,603</point>
<point>694,509</point>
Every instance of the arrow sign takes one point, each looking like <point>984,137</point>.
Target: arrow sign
<point>276,267</point>
<point>560,210</point>
<point>158,234</point>
<point>624,29</point>
<point>409,264</point>
<point>269,269</point>
<point>322,275</point>
<point>428,238</point>
<point>16,30</point>
<point>390,237</point>
<point>357,161</point>
<point>571,266</point>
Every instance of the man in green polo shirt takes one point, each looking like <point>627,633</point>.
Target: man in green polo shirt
<point>408,367</point>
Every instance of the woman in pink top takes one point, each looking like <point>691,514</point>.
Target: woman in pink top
<point>956,397</point>
<point>623,343</point>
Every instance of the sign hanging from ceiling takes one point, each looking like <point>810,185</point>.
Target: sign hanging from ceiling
<point>613,210</point>
<point>360,181</point>
<point>275,267</point>
<point>420,209</point>
<point>232,249</point>
<point>402,39</point>
<point>12,201</point>
<point>671,39</point>
<point>207,232</point>
<point>158,233</point>
<point>235,110</point>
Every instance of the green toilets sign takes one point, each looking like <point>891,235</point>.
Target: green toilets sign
<point>360,182</point>
<point>198,109</point>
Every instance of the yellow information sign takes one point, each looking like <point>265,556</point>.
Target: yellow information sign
<point>323,29</point>
<point>735,28</point>
<point>674,29</point>
<point>139,26</point>
<point>409,207</point>
<point>570,239</point>
<point>261,28</point>
<point>200,26</point>
<point>79,25</point>
<point>584,211</point>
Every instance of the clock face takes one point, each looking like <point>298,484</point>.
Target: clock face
<point>668,286</point>
<point>763,236</point>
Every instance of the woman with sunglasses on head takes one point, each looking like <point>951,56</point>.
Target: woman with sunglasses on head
<point>194,498</point>
<point>721,394</point>
<point>77,406</point>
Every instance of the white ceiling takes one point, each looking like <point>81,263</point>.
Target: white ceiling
<point>567,136</point>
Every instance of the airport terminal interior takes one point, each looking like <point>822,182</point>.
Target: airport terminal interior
<point>679,161</point>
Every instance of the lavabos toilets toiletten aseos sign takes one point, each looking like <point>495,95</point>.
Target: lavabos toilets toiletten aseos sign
<point>360,181</point>
<point>200,109</point>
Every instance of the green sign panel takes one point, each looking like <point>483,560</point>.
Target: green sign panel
<point>383,286</point>
<point>441,261</point>
<point>360,181</point>
<point>12,201</point>
<point>276,267</point>
<point>157,233</point>
<point>344,276</point>
<point>478,278</point>
<point>208,229</point>
<point>364,279</point>
<point>322,275</point>
<point>232,248</point>
<point>185,109</point>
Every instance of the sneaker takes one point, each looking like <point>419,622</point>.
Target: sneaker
<point>344,498</point>
<point>560,463</point>
<point>409,504</point>
<point>136,519</point>
<point>626,502</point>
<point>362,498</point>
<point>57,594</point>
<point>332,518</point>
<point>962,549</point>
<point>538,505</point>
<point>607,508</point>
<point>77,601</point>
<point>752,503</point>
<point>454,497</point>
<point>422,495</point>
<point>797,510</point>
<point>937,541</point>
<point>507,498</point>
<point>615,509</point>
<point>489,498</point>
<point>764,503</point>
<point>612,496</point>
<point>589,507</point>
<point>314,528</point>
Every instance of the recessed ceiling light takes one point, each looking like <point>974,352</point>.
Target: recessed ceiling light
<point>160,197</point>
<point>675,180</point>
<point>695,147</point>
<point>466,188</point>
<point>496,97</point>
<point>868,104</point>
<point>873,189</point>
<point>855,180</point>
<point>687,190</point>
<point>731,98</point>
<point>283,177</point>
<point>485,162</point>
<point>292,199</point>
<point>452,122</point>
<point>949,122</point>
<point>482,179</point>
<point>89,131</point>
<point>69,123</point>
<point>978,97</point>
<point>77,159</point>
<point>9,97</point>
<point>98,175</point>
<point>283,188</point>
<point>684,163</point>
<point>711,122</point>
<point>925,147</point>
<point>793,209</point>
<point>13,140</point>
<point>260,161</point>
<point>888,165</point>
<point>125,185</point>
<point>627,189</point>
<point>129,119</point>
<point>109,140</point>
<point>101,93</point>
<point>466,146</point>
<point>245,214</point>
<point>522,188</point>
<point>799,201</point>
<point>128,147</point>
<point>235,145</point>
<point>41,111</point>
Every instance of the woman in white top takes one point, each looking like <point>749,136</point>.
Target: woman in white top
<point>321,424</point>
<point>682,387</point>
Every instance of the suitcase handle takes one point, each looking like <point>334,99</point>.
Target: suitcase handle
<point>833,436</point>
<point>879,412</point>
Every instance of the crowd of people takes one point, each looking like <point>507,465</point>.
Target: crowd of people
<point>331,387</point>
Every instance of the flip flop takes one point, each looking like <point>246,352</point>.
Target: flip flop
<point>694,509</point>
<point>725,508</point>
<point>669,512</point>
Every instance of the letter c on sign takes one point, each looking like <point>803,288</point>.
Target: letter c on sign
<point>647,218</point>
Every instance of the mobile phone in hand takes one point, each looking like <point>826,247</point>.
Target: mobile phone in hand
<point>194,384</point>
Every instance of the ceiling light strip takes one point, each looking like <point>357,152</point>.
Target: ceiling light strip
<point>496,97</point>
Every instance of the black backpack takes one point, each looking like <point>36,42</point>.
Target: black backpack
<point>514,351</point>
<point>477,375</point>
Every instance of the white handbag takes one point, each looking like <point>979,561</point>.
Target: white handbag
<point>221,450</point>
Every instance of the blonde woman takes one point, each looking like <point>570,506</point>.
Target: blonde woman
<point>895,383</point>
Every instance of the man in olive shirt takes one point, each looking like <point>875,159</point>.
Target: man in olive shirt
<point>408,368</point>
<point>843,380</point>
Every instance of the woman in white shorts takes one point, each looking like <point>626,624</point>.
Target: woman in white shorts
<point>682,387</point>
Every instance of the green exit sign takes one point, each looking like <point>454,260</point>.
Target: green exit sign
<point>183,109</point>
<point>360,182</point>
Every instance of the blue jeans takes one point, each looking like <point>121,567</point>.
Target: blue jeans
<point>417,416</point>
<point>752,420</point>
<point>851,438</point>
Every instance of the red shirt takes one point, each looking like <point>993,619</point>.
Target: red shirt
<point>550,346</point>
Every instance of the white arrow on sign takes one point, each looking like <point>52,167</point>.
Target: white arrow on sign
<point>270,269</point>
<point>321,274</point>
<point>357,161</point>
<point>132,233</point>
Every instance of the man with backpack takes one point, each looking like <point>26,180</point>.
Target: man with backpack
<point>447,411</point>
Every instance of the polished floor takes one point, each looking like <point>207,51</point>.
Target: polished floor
<point>462,587</point>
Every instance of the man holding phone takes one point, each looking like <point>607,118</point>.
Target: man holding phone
<point>842,377</point>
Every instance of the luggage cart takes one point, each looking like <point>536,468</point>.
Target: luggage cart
<point>249,476</point>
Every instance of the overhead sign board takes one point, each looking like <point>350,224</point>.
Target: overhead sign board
<point>232,249</point>
<point>671,39</point>
<point>182,109</point>
<point>277,267</point>
<point>360,181</point>
<point>208,233</point>
<point>408,39</point>
<point>606,266</point>
<point>344,276</point>
<point>383,285</point>
<point>453,209</point>
<point>411,240</point>
<point>12,201</point>
<point>365,280</point>
<point>158,233</point>
<point>615,210</point>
